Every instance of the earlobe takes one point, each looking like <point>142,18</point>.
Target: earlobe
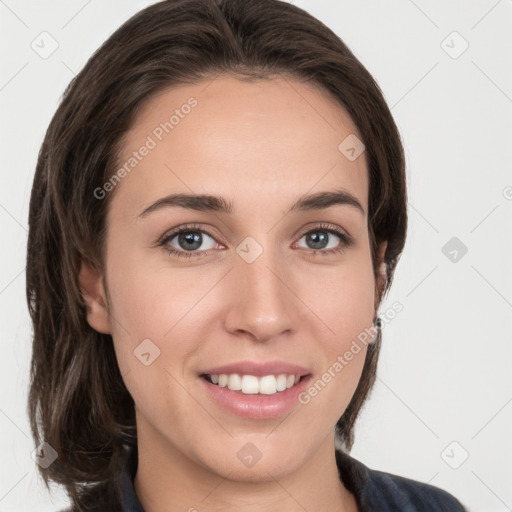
<point>93,292</point>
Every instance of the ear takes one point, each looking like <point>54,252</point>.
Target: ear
<point>382,273</point>
<point>91,285</point>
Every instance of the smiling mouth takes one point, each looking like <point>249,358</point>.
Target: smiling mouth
<point>252,385</point>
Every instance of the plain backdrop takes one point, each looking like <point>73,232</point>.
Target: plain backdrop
<point>441,410</point>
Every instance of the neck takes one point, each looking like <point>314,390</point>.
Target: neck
<point>167,479</point>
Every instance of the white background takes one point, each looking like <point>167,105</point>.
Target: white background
<point>445,369</point>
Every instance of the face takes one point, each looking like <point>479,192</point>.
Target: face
<point>265,282</point>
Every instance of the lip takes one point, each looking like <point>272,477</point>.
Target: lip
<point>259,369</point>
<point>256,406</point>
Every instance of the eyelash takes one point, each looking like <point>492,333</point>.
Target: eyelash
<point>346,240</point>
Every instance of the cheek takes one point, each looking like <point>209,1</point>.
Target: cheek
<point>147,314</point>
<point>347,310</point>
<point>344,301</point>
<point>157,319</point>
<point>346,307</point>
<point>149,299</point>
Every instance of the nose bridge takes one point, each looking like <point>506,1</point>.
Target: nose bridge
<point>263,301</point>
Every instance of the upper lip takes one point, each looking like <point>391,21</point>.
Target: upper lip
<point>258,369</point>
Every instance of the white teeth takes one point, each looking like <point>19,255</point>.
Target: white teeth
<point>251,385</point>
<point>268,385</point>
<point>235,382</point>
<point>281,382</point>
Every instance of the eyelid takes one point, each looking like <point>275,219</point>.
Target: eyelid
<point>327,226</point>
<point>186,227</point>
<point>304,231</point>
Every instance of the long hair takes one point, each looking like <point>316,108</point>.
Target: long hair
<point>78,402</point>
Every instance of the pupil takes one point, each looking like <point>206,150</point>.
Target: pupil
<point>319,242</point>
<point>191,238</point>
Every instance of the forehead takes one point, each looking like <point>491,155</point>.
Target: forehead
<point>264,141</point>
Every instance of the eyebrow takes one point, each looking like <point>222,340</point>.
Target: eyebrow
<point>210,203</point>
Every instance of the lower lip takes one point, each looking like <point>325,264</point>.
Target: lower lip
<point>257,406</point>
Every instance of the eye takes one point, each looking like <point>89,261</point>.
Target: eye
<point>188,240</point>
<point>327,239</point>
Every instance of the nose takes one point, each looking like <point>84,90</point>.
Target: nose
<point>262,304</point>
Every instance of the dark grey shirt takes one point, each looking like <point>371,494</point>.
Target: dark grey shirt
<point>375,491</point>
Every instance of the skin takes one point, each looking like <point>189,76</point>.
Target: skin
<point>262,145</point>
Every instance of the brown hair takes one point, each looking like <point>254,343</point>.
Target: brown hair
<point>78,402</point>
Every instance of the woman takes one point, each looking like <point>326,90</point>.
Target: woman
<point>218,209</point>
